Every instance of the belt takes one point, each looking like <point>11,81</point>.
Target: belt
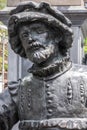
<point>60,123</point>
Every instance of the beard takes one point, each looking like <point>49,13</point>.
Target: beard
<point>41,54</point>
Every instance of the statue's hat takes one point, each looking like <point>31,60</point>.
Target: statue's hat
<point>43,12</point>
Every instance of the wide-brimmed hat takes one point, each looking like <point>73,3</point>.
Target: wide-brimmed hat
<point>30,12</point>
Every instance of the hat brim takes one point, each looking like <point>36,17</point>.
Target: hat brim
<point>23,17</point>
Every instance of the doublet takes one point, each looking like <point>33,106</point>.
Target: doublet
<point>61,97</point>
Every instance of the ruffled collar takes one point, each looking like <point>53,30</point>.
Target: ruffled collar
<point>53,70</point>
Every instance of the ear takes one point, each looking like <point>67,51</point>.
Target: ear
<point>58,39</point>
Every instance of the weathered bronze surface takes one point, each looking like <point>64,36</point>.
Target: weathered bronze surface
<point>54,94</point>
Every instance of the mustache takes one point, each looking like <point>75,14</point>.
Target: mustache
<point>40,56</point>
<point>35,44</point>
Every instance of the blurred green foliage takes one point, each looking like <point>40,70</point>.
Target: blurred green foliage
<point>2,33</point>
<point>5,64</point>
<point>85,49</point>
<point>0,63</point>
<point>85,41</point>
<point>6,67</point>
<point>3,4</point>
<point>85,45</point>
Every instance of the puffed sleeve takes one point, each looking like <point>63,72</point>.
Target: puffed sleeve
<point>8,106</point>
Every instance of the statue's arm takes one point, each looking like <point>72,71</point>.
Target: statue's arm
<point>8,110</point>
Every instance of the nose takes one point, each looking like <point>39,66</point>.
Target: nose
<point>30,38</point>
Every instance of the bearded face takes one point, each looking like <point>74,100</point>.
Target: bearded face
<point>38,41</point>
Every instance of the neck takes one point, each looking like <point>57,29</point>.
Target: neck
<point>55,67</point>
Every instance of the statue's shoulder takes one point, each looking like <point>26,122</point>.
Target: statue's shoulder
<point>27,80</point>
<point>13,89</point>
<point>79,70</point>
<point>14,86</point>
<point>78,73</point>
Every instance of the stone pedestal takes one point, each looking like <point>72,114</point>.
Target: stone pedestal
<point>52,2</point>
<point>77,47</point>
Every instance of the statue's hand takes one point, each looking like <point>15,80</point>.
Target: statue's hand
<point>7,118</point>
<point>3,119</point>
<point>3,124</point>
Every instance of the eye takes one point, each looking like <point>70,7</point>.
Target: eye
<point>25,35</point>
<point>40,31</point>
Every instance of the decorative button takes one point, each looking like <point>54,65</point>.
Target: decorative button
<point>47,85</point>
<point>48,93</point>
<point>50,110</point>
<point>29,105</point>
<point>49,101</point>
<point>29,90</point>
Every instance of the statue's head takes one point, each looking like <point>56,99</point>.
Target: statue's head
<point>39,32</point>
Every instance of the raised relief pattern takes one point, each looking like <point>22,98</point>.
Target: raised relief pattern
<point>69,92</point>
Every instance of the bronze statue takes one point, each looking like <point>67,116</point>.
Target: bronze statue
<point>54,94</point>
